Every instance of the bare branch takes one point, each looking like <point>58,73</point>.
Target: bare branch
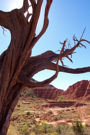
<point>33,3</point>
<point>25,5</point>
<point>69,58</point>
<point>67,52</point>
<point>29,83</point>
<point>44,61</point>
<point>34,22</point>
<point>52,66</point>
<point>63,46</point>
<point>83,33</point>
<point>83,40</point>
<point>46,21</point>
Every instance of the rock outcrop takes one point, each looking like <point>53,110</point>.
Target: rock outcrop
<point>79,90</point>
<point>48,92</point>
<point>87,93</point>
<point>63,104</point>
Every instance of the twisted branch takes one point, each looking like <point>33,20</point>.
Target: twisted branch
<point>65,53</point>
<point>26,81</point>
<point>45,61</point>
<point>46,21</point>
<point>25,5</point>
<point>33,3</point>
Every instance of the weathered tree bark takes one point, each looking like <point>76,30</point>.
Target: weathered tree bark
<point>17,67</point>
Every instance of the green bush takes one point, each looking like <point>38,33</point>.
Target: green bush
<point>32,121</point>
<point>78,128</point>
<point>23,129</point>
<point>28,113</point>
<point>28,93</point>
<point>44,128</point>
<point>57,117</point>
<point>58,129</point>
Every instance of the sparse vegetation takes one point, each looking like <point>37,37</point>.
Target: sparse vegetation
<point>42,128</point>
<point>57,117</point>
<point>33,119</point>
<point>63,98</point>
<point>58,129</point>
<point>78,128</point>
<point>28,93</point>
<point>60,98</point>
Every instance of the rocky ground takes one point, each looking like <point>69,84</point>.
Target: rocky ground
<point>30,112</point>
<point>53,112</point>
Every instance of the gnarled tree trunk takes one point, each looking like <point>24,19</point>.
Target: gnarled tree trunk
<point>17,67</point>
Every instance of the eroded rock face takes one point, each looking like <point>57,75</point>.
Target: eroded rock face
<point>87,93</point>
<point>59,104</point>
<point>80,90</point>
<point>48,92</point>
<point>63,104</point>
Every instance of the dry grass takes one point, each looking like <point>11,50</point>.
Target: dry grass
<point>12,131</point>
<point>29,110</point>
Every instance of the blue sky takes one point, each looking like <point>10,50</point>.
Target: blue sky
<point>67,17</point>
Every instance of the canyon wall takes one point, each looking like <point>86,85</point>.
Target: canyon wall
<point>79,90</point>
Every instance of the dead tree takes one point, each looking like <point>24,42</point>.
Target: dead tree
<point>17,67</point>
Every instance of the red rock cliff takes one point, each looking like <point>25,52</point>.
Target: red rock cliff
<point>48,92</point>
<point>79,90</point>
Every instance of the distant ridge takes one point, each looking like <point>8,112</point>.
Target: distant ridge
<point>79,90</point>
<point>48,92</point>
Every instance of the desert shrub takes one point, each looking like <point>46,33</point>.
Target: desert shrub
<point>26,133</point>
<point>42,129</point>
<point>78,128</point>
<point>23,129</point>
<point>63,130</point>
<point>28,93</point>
<point>62,98</point>
<point>46,128</point>
<point>18,106</point>
<point>58,129</point>
<point>22,120</point>
<point>28,113</point>
<point>57,117</point>
<point>32,121</point>
<point>34,129</point>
